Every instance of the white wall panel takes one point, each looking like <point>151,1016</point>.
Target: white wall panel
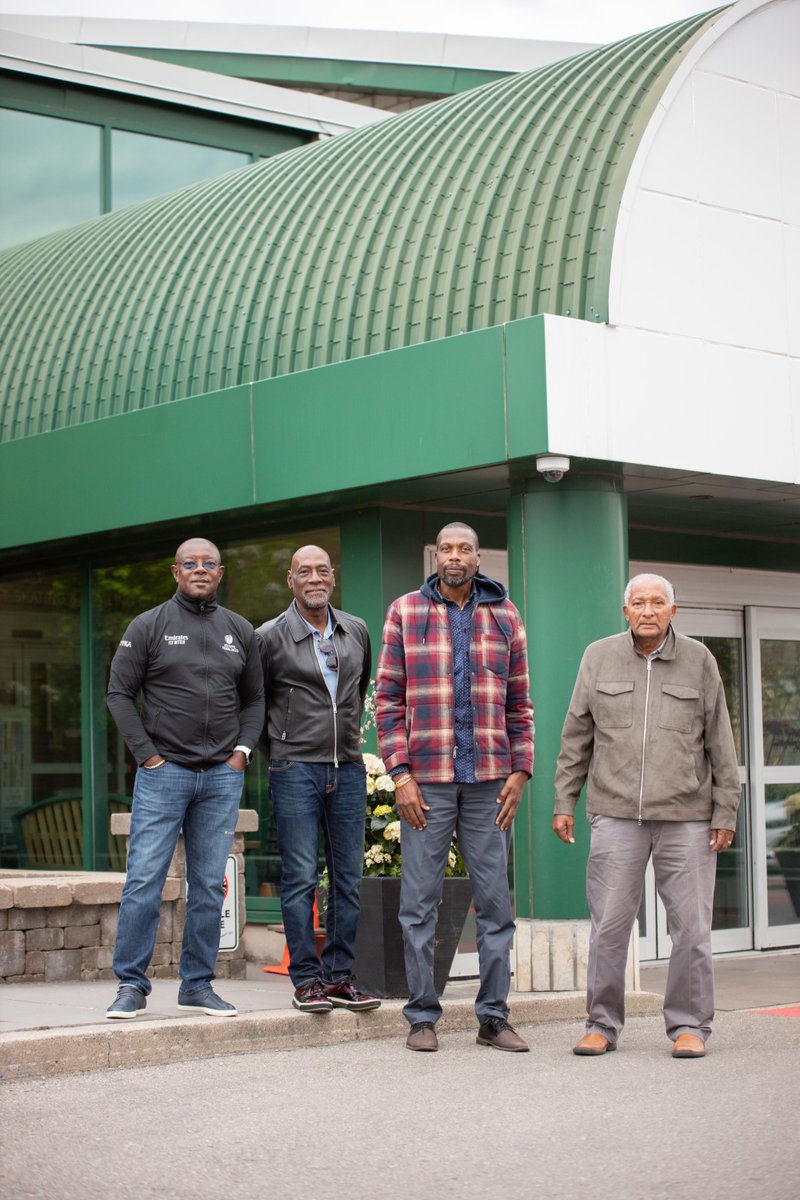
<point>761,49</point>
<point>705,276</point>
<point>743,281</point>
<point>735,139</point>
<point>789,126</point>
<point>640,397</point>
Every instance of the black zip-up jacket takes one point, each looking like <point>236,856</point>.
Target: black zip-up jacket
<point>303,723</point>
<point>198,670</point>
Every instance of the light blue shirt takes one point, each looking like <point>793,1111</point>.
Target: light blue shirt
<point>331,677</point>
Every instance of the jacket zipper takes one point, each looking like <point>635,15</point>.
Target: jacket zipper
<point>288,714</point>
<point>644,735</point>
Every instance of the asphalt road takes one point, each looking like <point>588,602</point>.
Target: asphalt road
<point>371,1120</point>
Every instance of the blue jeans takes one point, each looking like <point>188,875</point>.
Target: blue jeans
<point>469,809</point>
<point>205,804</point>
<point>308,797</point>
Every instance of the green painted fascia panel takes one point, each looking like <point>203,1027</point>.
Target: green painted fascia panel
<point>160,463</point>
<point>344,74</point>
<point>415,411</point>
<point>526,384</point>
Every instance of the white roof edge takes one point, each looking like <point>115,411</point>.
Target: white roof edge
<point>108,71</point>
<point>295,41</point>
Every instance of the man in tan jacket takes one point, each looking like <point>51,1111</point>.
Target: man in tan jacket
<point>648,732</point>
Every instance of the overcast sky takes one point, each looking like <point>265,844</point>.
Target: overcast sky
<point>556,20</point>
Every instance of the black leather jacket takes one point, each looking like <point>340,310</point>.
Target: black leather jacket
<point>303,722</point>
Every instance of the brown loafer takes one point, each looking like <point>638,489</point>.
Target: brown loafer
<point>593,1044</point>
<point>688,1045</point>
<point>422,1037</point>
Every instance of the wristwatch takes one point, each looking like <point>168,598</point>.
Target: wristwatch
<point>246,751</point>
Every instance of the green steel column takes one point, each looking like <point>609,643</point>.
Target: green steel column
<point>568,562</point>
<point>87,724</point>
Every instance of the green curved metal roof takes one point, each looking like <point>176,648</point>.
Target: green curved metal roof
<point>488,206</point>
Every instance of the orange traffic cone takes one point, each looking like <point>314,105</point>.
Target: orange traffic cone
<point>319,935</point>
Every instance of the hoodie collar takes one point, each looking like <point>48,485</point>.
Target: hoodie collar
<point>488,591</point>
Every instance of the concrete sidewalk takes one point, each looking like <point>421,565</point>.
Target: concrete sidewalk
<point>61,1028</point>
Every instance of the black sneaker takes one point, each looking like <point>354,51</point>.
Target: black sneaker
<point>206,1000</point>
<point>130,1001</point>
<point>344,994</point>
<point>310,997</point>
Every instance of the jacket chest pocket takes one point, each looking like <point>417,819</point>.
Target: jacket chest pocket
<point>678,707</point>
<point>614,705</point>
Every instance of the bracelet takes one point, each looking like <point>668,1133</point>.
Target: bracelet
<point>401,780</point>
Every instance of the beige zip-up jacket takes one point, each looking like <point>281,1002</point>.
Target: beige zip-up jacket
<point>651,740</point>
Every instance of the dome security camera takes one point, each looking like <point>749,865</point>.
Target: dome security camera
<point>552,466</point>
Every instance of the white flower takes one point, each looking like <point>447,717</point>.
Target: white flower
<point>370,785</point>
<point>451,858</point>
<point>376,855</point>
<point>392,831</point>
<point>384,783</point>
<point>374,764</point>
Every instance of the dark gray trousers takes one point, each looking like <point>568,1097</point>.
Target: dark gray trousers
<point>471,810</point>
<point>685,870</point>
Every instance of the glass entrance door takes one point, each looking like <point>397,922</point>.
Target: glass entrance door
<point>723,633</point>
<point>773,642</point>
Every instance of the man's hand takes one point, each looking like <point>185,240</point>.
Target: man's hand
<point>410,805</point>
<point>237,761</point>
<point>720,839</point>
<point>510,797</point>
<point>564,827</point>
<point>155,760</point>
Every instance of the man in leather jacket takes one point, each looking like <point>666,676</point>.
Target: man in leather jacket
<point>197,670</point>
<point>317,664</point>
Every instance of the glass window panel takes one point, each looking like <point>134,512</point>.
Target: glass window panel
<point>780,697</point>
<point>50,174</point>
<point>731,893</point>
<point>143,166</point>
<point>728,653</point>
<point>119,593</point>
<point>41,798</point>
<point>782,820</point>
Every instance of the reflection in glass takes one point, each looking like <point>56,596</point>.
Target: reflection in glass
<point>143,166</point>
<point>119,594</point>
<point>731,901</point>
<point>728,653</point>
<point>41,805</point>
<point>50,174</point>
<point>782,819</point>
<point>780,698</point>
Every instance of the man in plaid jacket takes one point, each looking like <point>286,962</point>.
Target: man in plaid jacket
<point>455,723</point>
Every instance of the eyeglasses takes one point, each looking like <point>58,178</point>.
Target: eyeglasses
<point>328,649</point>
<point>190,565</point>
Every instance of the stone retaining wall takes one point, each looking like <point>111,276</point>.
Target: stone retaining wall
<point>552,956</point>
<point>58,926</point>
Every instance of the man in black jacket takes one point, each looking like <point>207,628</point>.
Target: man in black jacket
<point>197,669</point>
<point>316,672</point>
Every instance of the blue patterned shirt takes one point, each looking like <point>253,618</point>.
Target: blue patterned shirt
<point>461,633</point>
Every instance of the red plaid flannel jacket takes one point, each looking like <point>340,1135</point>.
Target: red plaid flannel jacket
<point>414,688</point>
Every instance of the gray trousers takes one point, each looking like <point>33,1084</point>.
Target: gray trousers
<point>471,810</point>
<point>685,870</point>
